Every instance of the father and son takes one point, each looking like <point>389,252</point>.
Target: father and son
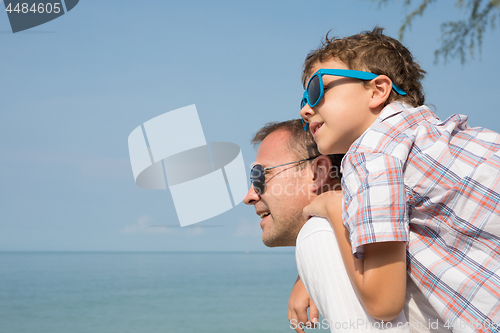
<point>395,214</point>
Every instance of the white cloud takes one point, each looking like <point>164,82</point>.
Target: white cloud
<point>196,230</point>
<point>248,228</point>
<point>143,226</point>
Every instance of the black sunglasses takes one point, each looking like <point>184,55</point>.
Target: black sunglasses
<point>258,174</point>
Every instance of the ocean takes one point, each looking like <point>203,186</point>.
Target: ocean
<point>89,292</point>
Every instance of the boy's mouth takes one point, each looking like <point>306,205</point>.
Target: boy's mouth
<point>315,127</point>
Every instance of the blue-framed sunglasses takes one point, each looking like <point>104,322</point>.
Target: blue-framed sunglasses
<point>314,91</point>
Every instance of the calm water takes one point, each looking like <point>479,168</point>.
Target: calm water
<point>145,292</point>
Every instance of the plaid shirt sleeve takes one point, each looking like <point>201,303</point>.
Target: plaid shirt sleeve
<point>374,193</point>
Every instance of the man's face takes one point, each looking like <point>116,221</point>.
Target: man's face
<point>287,191</point>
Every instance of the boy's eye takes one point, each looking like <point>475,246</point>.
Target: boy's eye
<point>328,86</point>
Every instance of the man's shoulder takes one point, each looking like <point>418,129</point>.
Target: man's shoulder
<point>313,225</point>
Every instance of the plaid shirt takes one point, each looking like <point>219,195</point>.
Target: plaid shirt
<point>436,185</point>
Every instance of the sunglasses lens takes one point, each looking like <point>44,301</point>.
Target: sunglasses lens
<point>257,178</point>
<point>313,90</point>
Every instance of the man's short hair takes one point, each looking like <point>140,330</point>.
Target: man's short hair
<point>374,52</point>
<point>301,144</point>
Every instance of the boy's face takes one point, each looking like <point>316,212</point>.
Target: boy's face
<point>342,115</point>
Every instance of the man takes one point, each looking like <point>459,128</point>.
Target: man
<point>288,173</point>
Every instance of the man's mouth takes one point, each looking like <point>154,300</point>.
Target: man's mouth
<point>315,127</point>
<point>264,214</point>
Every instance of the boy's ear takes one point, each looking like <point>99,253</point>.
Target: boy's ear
<point>381,88</point>
<point>321,167</point>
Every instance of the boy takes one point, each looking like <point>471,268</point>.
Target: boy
<point>405,169</point>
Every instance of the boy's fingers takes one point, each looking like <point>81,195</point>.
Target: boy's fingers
<point>302,316</point>
<point>305,213</point>
<point>295,323</point>
<point>313,313</point>
<point>298,327</point>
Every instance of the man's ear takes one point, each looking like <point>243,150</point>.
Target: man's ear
<point>321,167</point>
<point>381,88</point>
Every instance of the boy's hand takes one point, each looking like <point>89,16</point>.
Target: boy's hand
<point>323,204</point>
<point>298,303</point>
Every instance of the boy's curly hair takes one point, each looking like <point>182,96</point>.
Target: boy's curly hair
<point>374,52</point>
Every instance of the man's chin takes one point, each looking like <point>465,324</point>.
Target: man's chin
<point>269,241</point>
<point>275,241</point>
<point>270,244</point>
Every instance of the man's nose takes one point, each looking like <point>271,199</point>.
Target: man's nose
<point>252,197</point>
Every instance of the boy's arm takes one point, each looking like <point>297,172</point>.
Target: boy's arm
<point>380,278</point>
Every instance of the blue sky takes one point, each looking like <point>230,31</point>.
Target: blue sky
<point>74,88</point>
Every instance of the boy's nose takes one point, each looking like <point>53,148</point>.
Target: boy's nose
<point>306,112</point>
